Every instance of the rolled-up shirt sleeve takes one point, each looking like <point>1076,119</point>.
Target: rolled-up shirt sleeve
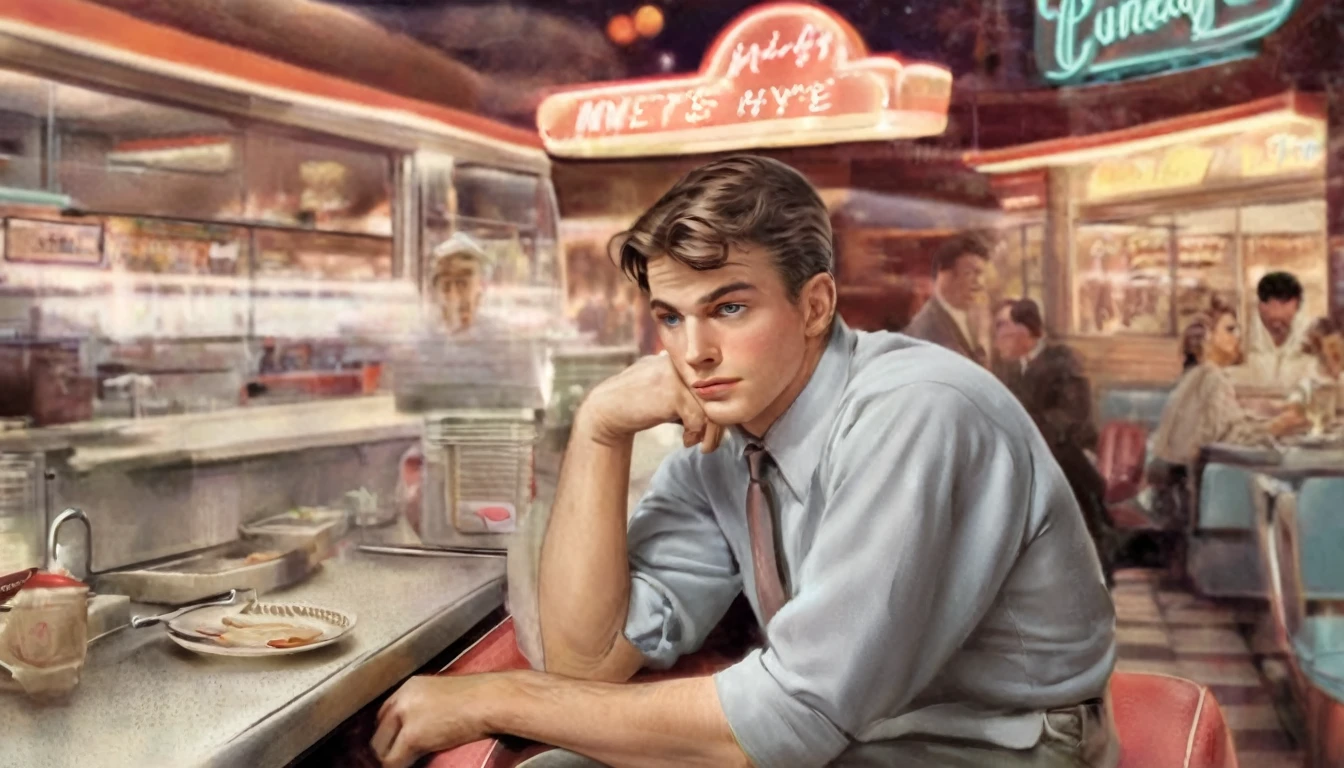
<point>926,507</point>
<point>683,575</point>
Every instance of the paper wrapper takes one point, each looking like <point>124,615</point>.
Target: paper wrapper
<point>44,637</point>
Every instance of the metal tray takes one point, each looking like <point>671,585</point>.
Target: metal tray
<point>213,572</point>
<point>317,529</point>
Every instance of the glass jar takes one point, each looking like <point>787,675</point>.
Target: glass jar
<point>22,512</point>
<point>44,637</point>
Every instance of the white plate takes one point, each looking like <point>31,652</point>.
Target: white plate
<point>334,625</point>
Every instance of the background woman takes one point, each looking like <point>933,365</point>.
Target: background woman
<point>1202,410</point>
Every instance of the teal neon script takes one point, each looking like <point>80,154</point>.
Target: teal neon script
<point>1107,39</point>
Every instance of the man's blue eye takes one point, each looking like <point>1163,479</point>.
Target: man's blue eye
<point>731,309</point>
<point>670,320</point>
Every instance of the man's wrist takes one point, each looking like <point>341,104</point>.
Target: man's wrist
<point>590,425</point>
<point>500,707</point>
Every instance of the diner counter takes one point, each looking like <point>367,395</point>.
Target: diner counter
<point>237,433</point>
<point>143,702</point>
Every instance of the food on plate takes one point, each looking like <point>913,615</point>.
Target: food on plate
<point>262,557</point>
<point>245,632</point>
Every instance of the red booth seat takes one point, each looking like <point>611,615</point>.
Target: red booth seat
<point>1163,722</point>
<point>1169,722</point>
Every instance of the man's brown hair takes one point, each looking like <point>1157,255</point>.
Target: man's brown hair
<point>966,244</point>
<point>1026,313</point>
<point>736,201</point>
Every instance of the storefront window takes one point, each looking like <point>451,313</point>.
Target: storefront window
<point>315,185</point>
<point>1288,237</point>
<point>119,155</point>
<point>1126,283</point>
<point>1206,263</point>
<point>1123,278</point>
<point>1017,264</point>
<point>25,104</point>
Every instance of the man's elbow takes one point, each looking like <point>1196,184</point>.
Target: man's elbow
<point>618,664</point>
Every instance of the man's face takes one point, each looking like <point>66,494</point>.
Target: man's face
<point>735,337</point>
<point>458,289</point>
<point>964,281</point>
<point>1277,316</point>
<point>1011,340</point>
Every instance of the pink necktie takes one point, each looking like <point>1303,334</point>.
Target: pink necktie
<point>761,527</point>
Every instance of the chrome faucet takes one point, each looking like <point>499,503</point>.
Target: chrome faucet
<point>53,535</point>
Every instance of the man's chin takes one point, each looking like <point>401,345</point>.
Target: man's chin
<point>727,413</point>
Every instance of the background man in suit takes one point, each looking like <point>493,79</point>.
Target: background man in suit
<point>1048,379</point>
<point>959,268</point>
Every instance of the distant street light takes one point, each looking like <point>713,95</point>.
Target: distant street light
<point>648,20</point>
<point>621,30</point>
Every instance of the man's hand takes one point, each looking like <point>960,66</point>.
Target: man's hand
<point>645,395</point>
<point>431,714</point>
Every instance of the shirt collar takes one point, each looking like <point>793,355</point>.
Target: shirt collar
<point>796,439</point>
<point>1034,353</point>
<point>957,314</point>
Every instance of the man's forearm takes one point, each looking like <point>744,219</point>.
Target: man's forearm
<point>584,573</point>
<point>671,723</point>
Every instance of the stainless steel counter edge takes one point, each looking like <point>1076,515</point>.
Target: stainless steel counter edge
<point>283,735</point>
<point>218,436</point>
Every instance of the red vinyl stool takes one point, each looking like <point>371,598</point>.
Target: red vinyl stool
<point>1169,722</point>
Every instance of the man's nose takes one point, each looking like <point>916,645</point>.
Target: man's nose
<point>702,347</point>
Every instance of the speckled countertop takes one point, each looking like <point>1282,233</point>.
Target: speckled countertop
<point>144,702</point>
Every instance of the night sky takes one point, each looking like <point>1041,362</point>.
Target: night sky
<point>937,30</point>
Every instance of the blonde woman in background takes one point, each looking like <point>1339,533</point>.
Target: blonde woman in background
<point>1203,409</point>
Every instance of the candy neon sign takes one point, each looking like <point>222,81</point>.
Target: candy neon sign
<point>1078,40</point>
<point>785,74</point>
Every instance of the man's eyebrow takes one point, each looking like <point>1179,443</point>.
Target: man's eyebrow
<point>724,290</point>
<point>708,298</point>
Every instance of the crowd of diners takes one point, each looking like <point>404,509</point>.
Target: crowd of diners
<point>1279,349</point>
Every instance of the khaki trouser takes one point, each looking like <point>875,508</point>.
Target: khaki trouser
<point>1074,737</point>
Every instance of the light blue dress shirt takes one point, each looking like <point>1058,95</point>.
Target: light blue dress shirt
<point>943,583</point>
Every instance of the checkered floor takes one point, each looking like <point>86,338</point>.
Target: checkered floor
<point>1181,634</point>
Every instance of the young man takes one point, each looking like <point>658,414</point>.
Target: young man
<point>1274,355</point>
<point>927,589</point>
<point>959,268</point>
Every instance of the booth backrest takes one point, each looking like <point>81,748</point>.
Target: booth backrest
<point>1138,404</point>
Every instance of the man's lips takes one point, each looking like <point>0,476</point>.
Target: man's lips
<point>711,389</point>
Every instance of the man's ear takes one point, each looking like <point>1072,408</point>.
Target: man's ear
<point>817,299</point>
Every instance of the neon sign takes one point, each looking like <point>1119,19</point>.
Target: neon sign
<point>785,74</point>
<point>1079,40</point>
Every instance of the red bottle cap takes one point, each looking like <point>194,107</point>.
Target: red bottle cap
<point>45,580</point>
